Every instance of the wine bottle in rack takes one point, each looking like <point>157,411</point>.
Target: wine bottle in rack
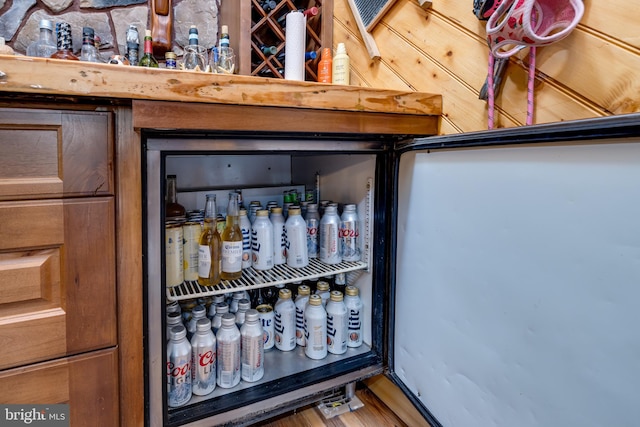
<point>268,5</point>
<point>268,50</point>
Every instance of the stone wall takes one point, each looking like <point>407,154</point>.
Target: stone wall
<point>109,18</point>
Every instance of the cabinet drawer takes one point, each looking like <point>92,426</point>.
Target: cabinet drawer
<point>57,275</point>
<point>88,383</point>
<point>54,153</point>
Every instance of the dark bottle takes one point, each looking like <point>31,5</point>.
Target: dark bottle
<point>63,33</point>
<point>268,5</point>
<point>147,59</point>
<point>268,50</point>
<point>173,209</point>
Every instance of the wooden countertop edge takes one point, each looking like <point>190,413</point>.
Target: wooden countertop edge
<point>23,74</point>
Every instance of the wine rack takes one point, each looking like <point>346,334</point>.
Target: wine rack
<point>268,28</point>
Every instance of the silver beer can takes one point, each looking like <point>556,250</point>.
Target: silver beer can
<point>337,324</point>
<point>252,347</point>
<point>350,234</point>
<point>267,319</point>
<point>330,236</point>
<point>203,359</point>
<point>178,367</point>
<point>228,346</point>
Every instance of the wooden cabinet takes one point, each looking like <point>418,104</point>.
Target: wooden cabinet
<point>58,325</point>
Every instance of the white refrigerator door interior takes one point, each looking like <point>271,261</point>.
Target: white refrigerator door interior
<point>518,284</point>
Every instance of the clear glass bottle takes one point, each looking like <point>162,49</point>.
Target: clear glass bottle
<point>147,59</point>
<point>88,53</point>
<point>173,209</point>
<point>45,46</point>
<point>64,44</point>
<point>209,258</point>
<point>232,242</point>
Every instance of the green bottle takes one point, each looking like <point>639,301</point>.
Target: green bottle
<point>147,59</point>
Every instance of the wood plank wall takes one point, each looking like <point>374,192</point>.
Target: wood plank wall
<point>591,73</point>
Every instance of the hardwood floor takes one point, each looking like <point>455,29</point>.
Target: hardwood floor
<point>373,413</point>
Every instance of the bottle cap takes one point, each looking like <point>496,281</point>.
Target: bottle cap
<point>326,53</point>
<point>244,304</point>
<point>198,311</point>
<point>88,31</point>
<point>336,296</point>
<point>294,211</point>
<point>304,290</point>
<point>178,332</point>
<point>169,55</point>
<point>322,286</point>
<point>251,315</point>
<point>228,319</point>
<point>276,210</point>
<point>284,294</point>
<point>341,48</point>
<point>147,33</point>
<point>262,212</point>
<point>203,325</point>
<point>222,307</point>
<point>225,29</point>
<point>46,24</point>
<point>315,300</point>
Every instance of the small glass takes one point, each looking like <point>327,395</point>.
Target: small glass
<point>194,58</point>
<point>226,61</point>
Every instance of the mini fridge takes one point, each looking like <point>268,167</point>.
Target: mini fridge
<point>499,270</point>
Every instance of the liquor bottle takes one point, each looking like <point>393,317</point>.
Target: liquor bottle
<point>88,53</point>
<point>45,46</point>
<point>63,33</point>
<point>170,60</point>
<point>194,54</point>
<point>340,69</point>
<point>210,247</point>
<point>173,209</point>
<point>133,45</point>
<point>147,59</point>
<point>224,36</point>
<point>325,66</point>
<point>232,242</point>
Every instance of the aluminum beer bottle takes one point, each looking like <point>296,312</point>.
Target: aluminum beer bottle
<point>279,236</point>
<point>232,242</point>
<point>296,239</point>
<point>262,241</point>
<point>252,347</point>
<point>222,308</point>
<point>267,319</point>
<point>241,315</point>
<point>235,299</point>
<point>173,319</point>
<point>323,289</point>
<point>203,359</point>
<point>337,324</point>
<point>209,259</point>
<point>350,234</point>
<point>228,344</point>
<point>329,236</point>
<point>312,219</point>
<point>245,228</point>
<point>301,301</point>
<point>178,367</point>
<point>198,312</point>
<point>315,328</point>
<point>354,312</point>
<point>217,299</point>
<point>285,321</point>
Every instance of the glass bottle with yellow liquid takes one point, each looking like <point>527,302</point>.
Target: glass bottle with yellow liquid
<point>232,242</point>
<point>209,251</point>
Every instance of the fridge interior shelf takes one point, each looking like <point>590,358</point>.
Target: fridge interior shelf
<point>254,279</point>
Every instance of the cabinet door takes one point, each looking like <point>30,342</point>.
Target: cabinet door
<point>88,383</point>
<point>47,154</point>
<point>57,275</point>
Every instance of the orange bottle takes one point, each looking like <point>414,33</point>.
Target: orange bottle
<point>325,65</point>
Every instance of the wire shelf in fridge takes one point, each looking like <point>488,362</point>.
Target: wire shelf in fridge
<point>254,279</point>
